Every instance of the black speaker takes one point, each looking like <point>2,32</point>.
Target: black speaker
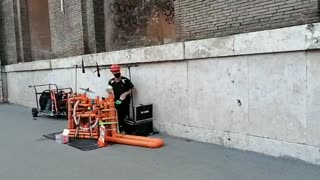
<point>144,112</point>
<point>141,124</point>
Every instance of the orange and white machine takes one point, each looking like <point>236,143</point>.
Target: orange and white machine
<point>97,119</point>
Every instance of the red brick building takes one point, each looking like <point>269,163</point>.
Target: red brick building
<point>43,29</point>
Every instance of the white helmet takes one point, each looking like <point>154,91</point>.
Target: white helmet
<point>109,89</point>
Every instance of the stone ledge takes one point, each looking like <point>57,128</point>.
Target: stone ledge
<point>29,66</point>
<point>296,38</point>
<point>160,53</point>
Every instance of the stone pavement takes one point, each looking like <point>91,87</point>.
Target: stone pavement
<point>25,154</point>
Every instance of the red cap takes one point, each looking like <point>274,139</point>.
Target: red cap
<point>115,68</point>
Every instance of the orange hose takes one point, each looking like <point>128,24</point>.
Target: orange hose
<point>84,137</point>
<point>53,98</point>
<point>69,115</point>
<point>86,115</point>
<point>138,138</point>
<point>127,139</point>
<point>135,142</point>
<point>83,133</point>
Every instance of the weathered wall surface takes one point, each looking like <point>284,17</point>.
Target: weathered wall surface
<point>138,23</point>
<point>34,29</point>
<point>24,30</point>
<point>78,29</point>
<point>14,32</point>
<point>40,35</point>
<point>8,37</point>
<point>93,26</point>
<point>226,91</point>
<point>214,18</point>
<point>66,28</point>
<point>38,29</point>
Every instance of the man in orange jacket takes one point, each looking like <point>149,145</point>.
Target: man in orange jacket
<point>122,88</point>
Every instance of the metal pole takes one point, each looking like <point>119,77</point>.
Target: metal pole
<point>62,5</point>
<point>76,79</point>
<point>133,113</point>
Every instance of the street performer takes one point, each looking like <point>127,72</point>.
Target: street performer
<point>122,88</point>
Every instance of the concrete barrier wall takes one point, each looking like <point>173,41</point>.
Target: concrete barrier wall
<point>257,91</point>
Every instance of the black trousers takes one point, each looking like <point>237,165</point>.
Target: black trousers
<point>123,111</point>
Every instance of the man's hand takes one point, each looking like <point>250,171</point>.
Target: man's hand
<point>124,95</point>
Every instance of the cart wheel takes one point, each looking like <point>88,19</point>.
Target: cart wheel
<point>35,112</point>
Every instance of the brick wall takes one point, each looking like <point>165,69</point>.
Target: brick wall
<point>24,30</point>
<point>129,20</point>
<point>138,23</point>
<point>14,32</point>
<point>8,45</point>
<point>21,28</point>
<point>39,25</point>
<point>88,26</point>
<point>81,28</point>
<point>66,28</point>
<point>99,25</point>
<point>93,26</point>
<point>77,30</point>
<point>213,18</point>
<point>17,31</point>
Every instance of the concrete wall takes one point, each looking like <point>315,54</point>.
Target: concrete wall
<point>256,92</point>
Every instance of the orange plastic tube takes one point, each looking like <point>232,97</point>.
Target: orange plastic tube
<point>149,143</point>
<point>86,115</point>
<point>69,115</point>
<point>83,133</point>
<point>84,137</point>
<point>126,139</point>
<point>138,138</point>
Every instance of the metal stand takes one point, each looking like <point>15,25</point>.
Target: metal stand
<point>76,78</point>
<point>131,94</point>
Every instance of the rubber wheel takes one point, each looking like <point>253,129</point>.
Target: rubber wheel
<point>35,112</point>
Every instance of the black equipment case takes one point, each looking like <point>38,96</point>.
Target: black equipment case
<point>141,124</point>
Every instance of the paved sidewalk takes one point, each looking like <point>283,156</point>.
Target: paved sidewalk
<point>26,155</point>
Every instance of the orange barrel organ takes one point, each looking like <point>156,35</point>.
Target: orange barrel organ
<point>93,118</point>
